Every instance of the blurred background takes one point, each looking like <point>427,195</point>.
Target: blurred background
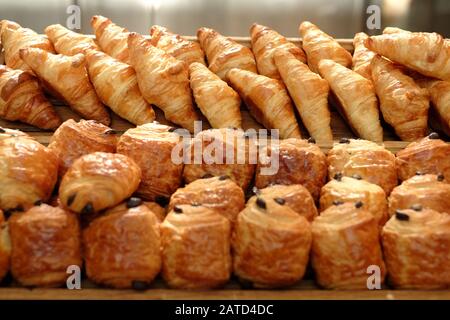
<point>341,18</point>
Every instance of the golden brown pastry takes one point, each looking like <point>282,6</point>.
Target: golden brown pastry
<point>264,43</point>
<point>271,244</point>
<point>68,78</point>
<point>224,54</point>
<point>5,247</point>
<point>300,162</point>
<point>309,92</point>
<point>163,80</point>
<point>345,243</point>
<point>195,243</point>
<point>8,24</point>
<point>74,139</point>
<point>150,146</point>
<point>428,155</point>
<point>111,38</point>
<point>370,161</point>
<point>28,171</point>
<point>157,208</point>
<point>21,99</point>
<point>45,241</point>
<point>355,99</point>
<point>218,102</point>
<point>267,101</point>
<point>416,246</point>
<point>231,155</point>
<point>318,45</point>
<point>403,103</point>
<point>369,196</point>
<point>362,56</point>
<point>97,181</point>
<point>218,193</point>
<point>176,46</point>
<point>68,42</point>
<point>122,247</point>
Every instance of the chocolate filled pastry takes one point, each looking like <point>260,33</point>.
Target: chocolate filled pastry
<point>69,42</point>
<point>28,171</point>
<point>299,162</point>
<point>428,155</point>
<point>219,193</point>
<point>195,243</point>
<point>122,247</point>
<point>355,190</point>
<point>150,146</point>
<point>370,161</point>
<point>5,247</point>
<point>97,181</point>
<point>416,246</point>
<point>345,244</point>
<point>421,191</point>
<point>271,244</point>
<point>45,241</point>
<point>73,139</point>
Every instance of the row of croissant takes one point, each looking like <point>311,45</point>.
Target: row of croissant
<point>368,225</point>
<point>398,73</point>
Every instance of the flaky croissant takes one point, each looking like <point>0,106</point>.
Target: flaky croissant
<point>362,56</point>
<point>267,100</point>
<point>68,78</point>
<point>68,42</point>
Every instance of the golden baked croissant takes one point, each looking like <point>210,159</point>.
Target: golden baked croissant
<point>22,99</point>
<point>5,247</point>
<point>163,80</point>
<point>355,99</point>
<point>67,76</point>
<point>223,54</point>
<point>403,103</point>
<point>68,42</point>
<point>264,43</point>
<point>267,100</point>
<point>218,102</point>
<point>318,45</point>
<point>176,46</point>
<point>111,38</point>
<point>116,85</point>
<point>309,92</point>
<point>362,56</point>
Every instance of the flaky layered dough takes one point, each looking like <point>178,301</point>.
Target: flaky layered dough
<point>5,247</point>
<point>264,43</point>
<point>67,77</point>
<point>28,170</point>
<point>122,247</point>
<point>98,181</point>
<point>21,99</point>
<point>195,245</point>
<point>362,56</point>
<point>372,162</point>
<point>416,246</point>
<point>218,102</point>
<point>355,99</point>
<point>403,103</point>
<point>45,241</point>
<point>345,243</point>
<point>224,54</point>
<point>176,46</point>
<point>267,101</point>
<point>309,92</point>
<point>68,42</point>
<point>271,244</point>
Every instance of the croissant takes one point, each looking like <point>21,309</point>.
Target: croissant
<point>111,38</point>
<point>22,99</point>
<point>163,80</point>
<point>362,56</point>
<point>403,103</point>
<point>309,92</point>
<point>267,100</point>
<point>355,98</point>
<point>67,76</point>
<point>176,46</point>
<point>68,42</point>
<point>224,54</point>
<point>116,85</point>
<point>218,102</point>
<point>264,43</point>
<point>318,45</point>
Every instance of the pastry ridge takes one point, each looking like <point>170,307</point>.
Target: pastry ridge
<point>67,42</point>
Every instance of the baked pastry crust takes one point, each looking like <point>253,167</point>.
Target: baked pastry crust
<point>5,247</point>
<point>362,56</point>
<point>68,42</point>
